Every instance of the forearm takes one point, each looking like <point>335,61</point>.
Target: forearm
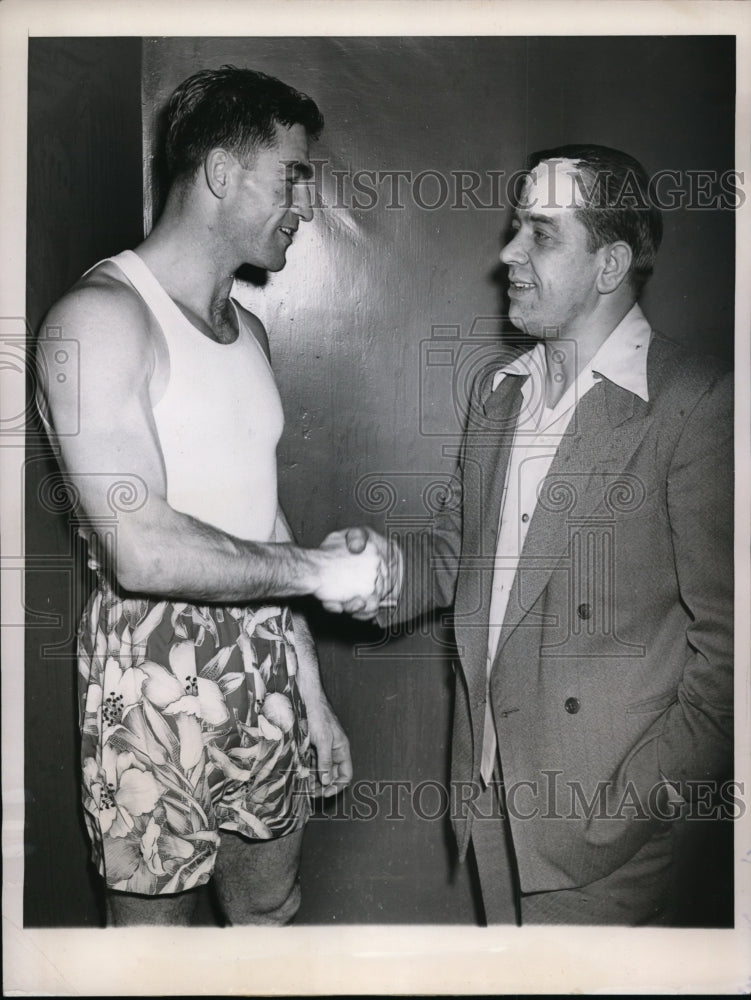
<point>308,670</point>
<point>168,554</point>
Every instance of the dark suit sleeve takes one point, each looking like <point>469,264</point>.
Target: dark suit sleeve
<point>430,558</point>
<point>430,562</point>
<point>692,739</point>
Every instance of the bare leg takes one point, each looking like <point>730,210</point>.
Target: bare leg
<point>129,910</point>
<point>256,881</point>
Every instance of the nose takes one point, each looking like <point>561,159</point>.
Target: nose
<point>514,251</point>
<point>302,206</point>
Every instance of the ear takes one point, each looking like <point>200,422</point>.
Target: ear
<point>616,265</point>
<point>216,168</point>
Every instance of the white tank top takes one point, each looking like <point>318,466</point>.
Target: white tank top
<point>219,420</point>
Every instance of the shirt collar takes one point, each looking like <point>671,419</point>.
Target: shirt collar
<point>621,359</point>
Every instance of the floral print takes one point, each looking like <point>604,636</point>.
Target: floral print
<point>191,722</point>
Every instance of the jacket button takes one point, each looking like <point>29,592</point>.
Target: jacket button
<point>572,705</point>
<point>584,611</point>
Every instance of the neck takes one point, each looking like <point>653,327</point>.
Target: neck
<point>567,356</point>
<point>191,267</point>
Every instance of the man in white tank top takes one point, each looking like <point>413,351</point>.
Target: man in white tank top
<point>200,696</point>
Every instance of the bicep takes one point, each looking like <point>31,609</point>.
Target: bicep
<point>101,417</point>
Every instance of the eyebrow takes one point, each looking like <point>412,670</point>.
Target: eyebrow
<point>535,217</point>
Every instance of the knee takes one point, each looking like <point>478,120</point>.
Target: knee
<point>268,912</point>
<point>286,911</point>
<point>257,882</point>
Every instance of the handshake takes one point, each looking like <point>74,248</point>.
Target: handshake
<point>359,572</point>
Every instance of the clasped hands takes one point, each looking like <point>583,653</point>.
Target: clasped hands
<point>360,573</point>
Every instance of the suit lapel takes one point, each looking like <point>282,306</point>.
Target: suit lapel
<point>588,471</point>
<point>487,447</point>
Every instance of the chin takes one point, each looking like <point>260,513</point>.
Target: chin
<point>520,323</point>
<point>277,260</point>
<point>270,265</point>
<point>535,327</point>
<point>269,256</point>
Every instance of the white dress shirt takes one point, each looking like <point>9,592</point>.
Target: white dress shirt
<point>622,359</point>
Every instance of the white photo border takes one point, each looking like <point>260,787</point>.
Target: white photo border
<point>354,960</point>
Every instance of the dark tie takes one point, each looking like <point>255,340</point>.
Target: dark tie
<point>495,437</point>
<point>501,410</point>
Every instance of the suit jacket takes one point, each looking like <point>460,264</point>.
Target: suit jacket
<point>614,665</point>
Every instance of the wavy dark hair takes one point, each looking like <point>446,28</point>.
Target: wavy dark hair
<point>617,206</point>
<point>237,109</point>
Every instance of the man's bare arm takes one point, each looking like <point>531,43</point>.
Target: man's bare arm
<point>155,549</point>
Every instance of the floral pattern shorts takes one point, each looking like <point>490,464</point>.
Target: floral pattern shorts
<point>191,722</point>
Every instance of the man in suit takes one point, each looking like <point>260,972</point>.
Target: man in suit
<point>588,555</point>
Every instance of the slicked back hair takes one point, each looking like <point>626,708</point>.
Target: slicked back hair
<point>618,206</point>
<point>235,109</point>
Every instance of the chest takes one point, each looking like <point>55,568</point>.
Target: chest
<point>218,393</point>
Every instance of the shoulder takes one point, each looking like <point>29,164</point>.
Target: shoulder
<point>100,296</point>
<point>107,319</point>
<point>675,372</point>
<point>691,400</point>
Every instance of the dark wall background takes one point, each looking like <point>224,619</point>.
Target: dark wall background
<point>84,202</point>
<point>377,324</point>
